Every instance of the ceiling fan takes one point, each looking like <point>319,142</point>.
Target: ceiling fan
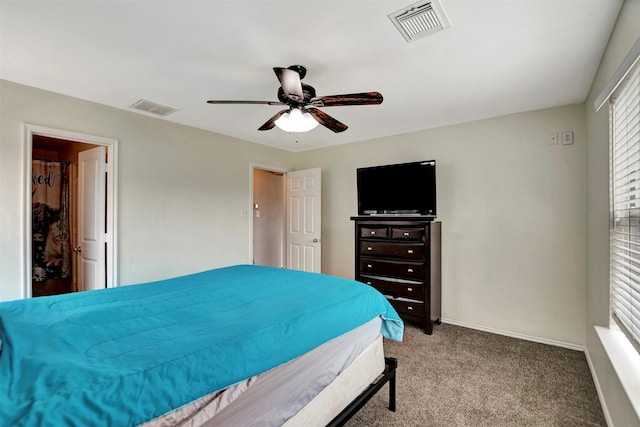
<point>303,111</point>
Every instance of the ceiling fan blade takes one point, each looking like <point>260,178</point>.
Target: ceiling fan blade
<point>326,120</point>
<point>364,98</point>
<point>290,82</point>
<point>219,101</point>
<point>269,124</point>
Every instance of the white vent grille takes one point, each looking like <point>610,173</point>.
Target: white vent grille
<point>153,107</point>
<point>420,20</point>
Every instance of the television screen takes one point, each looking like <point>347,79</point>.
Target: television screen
<point>400,189</point>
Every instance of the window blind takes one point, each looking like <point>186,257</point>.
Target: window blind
<point>625,204</point>
<point>619,76</point>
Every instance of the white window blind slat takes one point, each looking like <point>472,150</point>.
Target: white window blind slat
<point>624,268</point>
<point>625,208</point>
<point>627,287</point>
<point>635,252</point>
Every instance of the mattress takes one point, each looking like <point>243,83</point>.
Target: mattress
<point>127,355</point>
<point>349,384</point>
<point>284,394</point>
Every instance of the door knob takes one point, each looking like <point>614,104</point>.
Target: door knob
<point>316,240</point>
<point>77,249</point>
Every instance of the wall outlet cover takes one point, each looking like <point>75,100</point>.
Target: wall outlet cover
<point>567,137</point>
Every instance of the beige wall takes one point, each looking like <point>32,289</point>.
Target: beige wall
<point>180,195</point>
<point>626,32</point>
<point>513,217</point>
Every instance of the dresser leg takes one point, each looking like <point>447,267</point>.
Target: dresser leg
<point>428,327</point>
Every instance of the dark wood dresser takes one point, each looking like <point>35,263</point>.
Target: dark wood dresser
<point>400,257</point>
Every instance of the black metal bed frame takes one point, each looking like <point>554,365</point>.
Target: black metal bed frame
<point>388,375</point>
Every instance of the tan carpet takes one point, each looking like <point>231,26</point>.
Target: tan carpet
<point>463,377</point>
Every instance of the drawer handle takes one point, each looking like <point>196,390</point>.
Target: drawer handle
<point>410,308</point>
<point>368,283</point>
<point>373,232</point>
<point>409,270</point>
<point>410,289</point>
<point>409,251</point>
<point>368,265</point>
<point>369,248</point>
<point>405,234</point>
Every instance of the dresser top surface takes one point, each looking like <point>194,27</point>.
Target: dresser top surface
<point>416,218</point>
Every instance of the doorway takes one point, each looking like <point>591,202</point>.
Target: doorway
<point>268,211</point>
<point>65,197</point>
<point>285,226</point>
<point>54,215</point>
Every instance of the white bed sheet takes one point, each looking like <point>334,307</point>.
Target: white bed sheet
<point>272,398</point>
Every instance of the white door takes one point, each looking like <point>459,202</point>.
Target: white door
<point>303,220</point>
<point>91,252</point>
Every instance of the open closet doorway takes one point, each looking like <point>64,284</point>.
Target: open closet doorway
<point>268,217</point>
<point>70,212</point>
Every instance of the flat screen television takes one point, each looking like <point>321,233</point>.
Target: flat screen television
<point>399,189</point>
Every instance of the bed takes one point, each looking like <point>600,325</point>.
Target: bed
<point>240,345</point>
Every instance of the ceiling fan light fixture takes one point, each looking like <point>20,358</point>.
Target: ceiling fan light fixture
<point>296,121</point>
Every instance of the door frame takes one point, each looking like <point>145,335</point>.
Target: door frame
<point>29,130</point>
<point>250,211</point>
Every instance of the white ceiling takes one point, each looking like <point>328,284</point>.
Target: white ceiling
<point>498,57</point>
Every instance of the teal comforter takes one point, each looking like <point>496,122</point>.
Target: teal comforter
<point>123,356</point>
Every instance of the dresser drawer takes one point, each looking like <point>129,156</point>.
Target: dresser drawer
<point>407,307</point>
<point>395,289</point>
<point>374,232</point>
<point>406,269</point>
<point>402,250</point>
<point>407,233</point>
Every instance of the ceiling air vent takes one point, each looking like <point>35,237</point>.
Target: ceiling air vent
<point>420,19</point>
<point>153,107</point>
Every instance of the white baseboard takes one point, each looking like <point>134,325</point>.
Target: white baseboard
<point>603,405</point>
<point>515,335</point>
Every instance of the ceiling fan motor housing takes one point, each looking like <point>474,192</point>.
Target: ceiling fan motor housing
<point>307,91</point>
<point>302,71</point>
